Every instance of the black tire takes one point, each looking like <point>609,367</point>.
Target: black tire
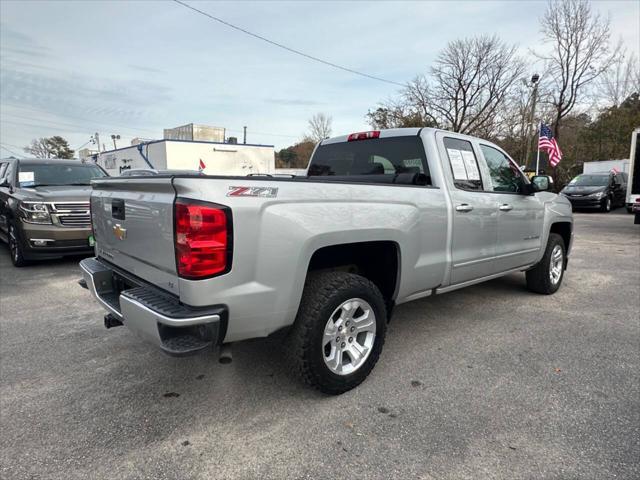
<point>323,293</point>
<point>539,277</point>
<point>629,210</point>
<point>15,246</point>
<point>606,205</point>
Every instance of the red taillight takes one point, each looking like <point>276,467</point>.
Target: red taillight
<point>202,239</point>
<point>363,135</point>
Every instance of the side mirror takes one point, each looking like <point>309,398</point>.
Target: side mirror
<point>542,183</point>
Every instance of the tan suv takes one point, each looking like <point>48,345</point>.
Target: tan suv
<point>44,208</point>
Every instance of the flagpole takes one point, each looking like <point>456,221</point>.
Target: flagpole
<point>538,149</point>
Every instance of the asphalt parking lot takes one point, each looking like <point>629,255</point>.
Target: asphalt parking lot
<point>487,382</point>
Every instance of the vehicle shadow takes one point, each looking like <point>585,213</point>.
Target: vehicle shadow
<point>263,364</point>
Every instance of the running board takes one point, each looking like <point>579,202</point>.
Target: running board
<point>468,283</point>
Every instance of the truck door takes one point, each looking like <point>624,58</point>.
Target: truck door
<point>520,216</point>
<point>475,213</point>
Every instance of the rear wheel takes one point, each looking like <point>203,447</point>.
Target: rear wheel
<point>339,331</point>
<point>15,247</point>
<point>546,276</point>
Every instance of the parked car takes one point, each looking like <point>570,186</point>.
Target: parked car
<point>383,218</point>
<point>604,191</point>
<point>44,208</point>
<point>635,209</point>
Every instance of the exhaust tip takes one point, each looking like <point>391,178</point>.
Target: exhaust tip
<point>83,283</point>
<point>111,321</point>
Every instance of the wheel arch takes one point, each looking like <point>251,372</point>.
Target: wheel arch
<point>563,229</point>
<point>377,260</point>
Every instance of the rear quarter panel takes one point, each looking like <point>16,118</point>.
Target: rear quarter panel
<point>275,238</point>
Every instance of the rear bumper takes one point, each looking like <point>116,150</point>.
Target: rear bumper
<point>51,241</point>
<point>156,316</point>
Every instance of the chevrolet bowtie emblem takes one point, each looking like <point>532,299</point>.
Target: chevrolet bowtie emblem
<point>119,232</point>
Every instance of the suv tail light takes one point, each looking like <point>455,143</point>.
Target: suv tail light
<point>203,239</point>
<point>363,135</point>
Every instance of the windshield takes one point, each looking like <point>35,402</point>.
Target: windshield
<point>34,175</point>
<point>590,181</point>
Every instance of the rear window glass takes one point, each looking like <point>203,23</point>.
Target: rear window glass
<point>386,157</point>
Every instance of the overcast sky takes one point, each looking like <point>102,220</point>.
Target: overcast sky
<point>134,68</point>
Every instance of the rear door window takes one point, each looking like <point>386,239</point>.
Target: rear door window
<point>376,157</point>
<point>463,163</point>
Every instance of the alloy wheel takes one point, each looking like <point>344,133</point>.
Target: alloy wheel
<point>349,336</point>
<point>13,243</point>
<point>556,264</point>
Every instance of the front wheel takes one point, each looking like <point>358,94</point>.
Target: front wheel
<point>547,275</point>
<point>15,248</point>
<point>606,205</point>
<point>339,331</point>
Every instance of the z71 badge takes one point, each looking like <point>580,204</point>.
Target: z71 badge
<point>268,192</point>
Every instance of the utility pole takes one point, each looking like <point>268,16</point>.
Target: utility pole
<point>96,140</point>
<point>244,139</point>
<point>534,98</point>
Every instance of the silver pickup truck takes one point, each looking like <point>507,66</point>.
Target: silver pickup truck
<point>380,219</point>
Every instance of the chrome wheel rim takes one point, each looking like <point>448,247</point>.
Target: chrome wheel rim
<point>608,206</point>
<point>557,263</point>
<point>13,243</point>
<point>349,336</point>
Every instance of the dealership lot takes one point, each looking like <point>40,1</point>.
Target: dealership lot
<point>487,382</point>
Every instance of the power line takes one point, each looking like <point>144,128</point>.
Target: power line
<point>9,150</point>
<point>83,126</point>
<point>70,127</point>
<point>289,49</point>
<point>264,133</point>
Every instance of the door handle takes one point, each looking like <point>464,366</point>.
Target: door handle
<point>505,207</point>
<point>464,207</point>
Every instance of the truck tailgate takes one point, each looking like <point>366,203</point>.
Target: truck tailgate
<point>133,227</point>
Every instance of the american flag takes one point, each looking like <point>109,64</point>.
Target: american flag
<point>201,166</point>
<point>548,144</point>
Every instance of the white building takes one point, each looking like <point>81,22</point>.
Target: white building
<point>218,158</point>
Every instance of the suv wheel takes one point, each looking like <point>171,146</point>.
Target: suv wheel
<point>606,205</point>
<point>547,275</point>
<point>339,331</point>
<point>15,248</point>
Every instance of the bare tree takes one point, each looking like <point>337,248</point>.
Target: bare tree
<point>621,80</point>
<point>319,127</point>
<point>466,90</point>
<point>471,80</point>
<point>39,148</point>
<point>52,147</point>
<point>580,52</point>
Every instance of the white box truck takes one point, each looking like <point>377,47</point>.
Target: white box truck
<point>633,185</point>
